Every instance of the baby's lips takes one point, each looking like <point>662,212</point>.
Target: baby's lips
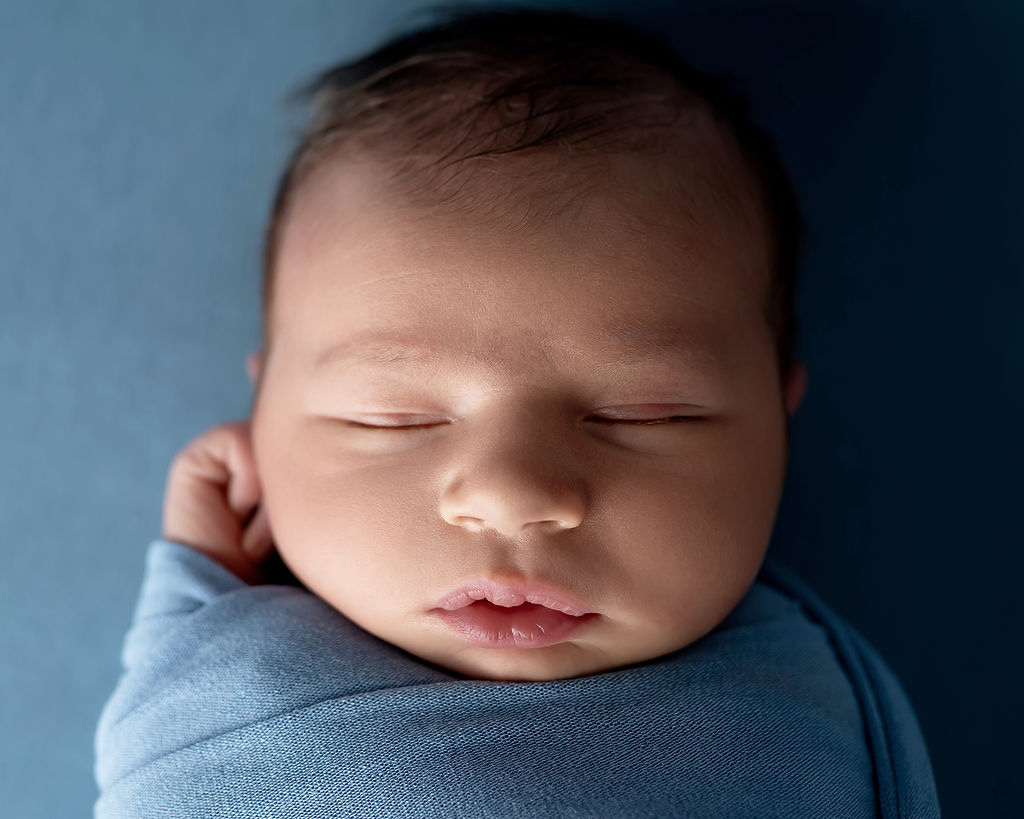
<point>520,615</point>
<point>513,594</point>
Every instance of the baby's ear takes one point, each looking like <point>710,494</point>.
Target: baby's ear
<point>254,366</point>
<point>796,386</point>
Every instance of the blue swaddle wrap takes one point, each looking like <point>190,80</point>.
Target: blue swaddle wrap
<point>263,701</point>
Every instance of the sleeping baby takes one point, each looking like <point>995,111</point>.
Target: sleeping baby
<point>493,540</point>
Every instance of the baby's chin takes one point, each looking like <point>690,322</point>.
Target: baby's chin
<point>563,661</point>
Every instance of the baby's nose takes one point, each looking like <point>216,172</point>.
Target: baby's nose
<point>510,507</point>
<point>511,487</point>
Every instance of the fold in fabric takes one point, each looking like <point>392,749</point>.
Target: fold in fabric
<point>263,701</point>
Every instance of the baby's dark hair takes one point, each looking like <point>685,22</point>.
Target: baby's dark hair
<point>478,84</point>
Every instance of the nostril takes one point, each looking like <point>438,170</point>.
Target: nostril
<point>472,524</point>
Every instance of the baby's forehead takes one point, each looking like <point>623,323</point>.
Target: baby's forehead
<point>603,221</point>
<point>694,156</point>
<point>618,209</point>
<point>694,173</point>
<point>695,193</point>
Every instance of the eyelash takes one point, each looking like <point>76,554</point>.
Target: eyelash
<point>673,419</point>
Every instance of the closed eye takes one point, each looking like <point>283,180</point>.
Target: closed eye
<point>361,425</point>
<point>600,419</point>
<point>673,419</point>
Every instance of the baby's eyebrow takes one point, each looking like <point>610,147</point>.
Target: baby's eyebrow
<point>375,348</point>
<point>643,338</point>
<point>620,344</point>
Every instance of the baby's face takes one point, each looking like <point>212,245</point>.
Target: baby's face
<point>580,421</point>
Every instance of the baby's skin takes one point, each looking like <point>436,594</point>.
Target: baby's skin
<point>528,443</point>
<point>212,501</point>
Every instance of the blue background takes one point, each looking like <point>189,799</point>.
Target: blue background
<point>139,144</point>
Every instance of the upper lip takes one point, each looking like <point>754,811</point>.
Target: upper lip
<point>513,594</point>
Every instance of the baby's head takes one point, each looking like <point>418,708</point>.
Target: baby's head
<point>528,352</point>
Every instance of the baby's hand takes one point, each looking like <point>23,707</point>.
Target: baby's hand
<point>212,501</point>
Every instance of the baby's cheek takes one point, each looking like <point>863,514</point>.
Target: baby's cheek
<point>684,553</point>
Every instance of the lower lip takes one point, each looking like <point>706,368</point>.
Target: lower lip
<point>527,626</point>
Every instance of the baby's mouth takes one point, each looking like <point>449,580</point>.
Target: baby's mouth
<point>495,615</point>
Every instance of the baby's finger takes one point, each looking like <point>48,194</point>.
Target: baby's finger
<point>235,447</point>
<point>257,541</point>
